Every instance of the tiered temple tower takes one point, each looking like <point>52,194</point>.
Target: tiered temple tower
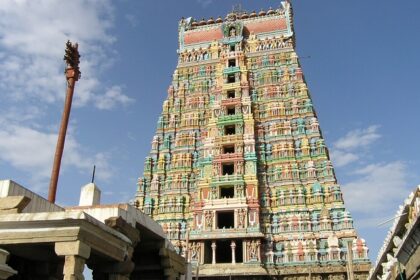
<point>239,176</point>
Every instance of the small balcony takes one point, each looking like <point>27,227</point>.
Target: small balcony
<point>228,157</point>
<point>223,179</point>
<point>229,119</point>
<point>231,70</point>
<point>229,86</point>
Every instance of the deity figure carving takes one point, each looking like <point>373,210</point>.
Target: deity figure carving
<point>239,191</point>
<point>209,219</point>
<point>232,32</point>
<point>241,218</point>
<point>195,251</point>
<point>253,248</point>
<point>249,168</point>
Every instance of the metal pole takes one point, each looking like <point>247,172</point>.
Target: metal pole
<point>72,75</point>
<point>93,174</point>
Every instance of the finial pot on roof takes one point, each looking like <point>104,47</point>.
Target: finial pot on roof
<point>231,17</point>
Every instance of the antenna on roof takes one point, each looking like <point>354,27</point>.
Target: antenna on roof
<point>237,9</point>
<point>93,174</point>
<point>391,219</point>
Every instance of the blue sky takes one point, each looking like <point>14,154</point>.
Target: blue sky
<point>360,60</point>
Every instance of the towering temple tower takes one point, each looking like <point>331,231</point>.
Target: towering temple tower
<point>239,176</point>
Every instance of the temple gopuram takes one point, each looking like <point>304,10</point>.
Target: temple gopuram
<point>239,175</point>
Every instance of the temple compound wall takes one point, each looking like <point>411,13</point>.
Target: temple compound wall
<point>239,175</point>
<point>41,240</point>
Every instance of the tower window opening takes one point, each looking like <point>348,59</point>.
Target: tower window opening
<point>230,130</point>
<point>238,251</point>
<point>231,78</point>
<point>227,192</point>
<point>232,62</point>
<point>231,111</point>
<point>232,48</point>
<point>231,94</point>
<point>223,251</point>
<point>229,149</point>
<point>225,219</point>
<point>207,252</point>
<point>228,168</point>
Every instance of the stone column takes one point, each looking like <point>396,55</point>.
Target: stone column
<point>112,270</point>
<point>75,254</point>
<point>73,268</point>
<point>213,248</point>
<point>5,270</point>
<point>233,246</point>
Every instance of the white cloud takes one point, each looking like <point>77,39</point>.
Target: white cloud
<point>113,97</point>
<point>32,41</point>
<point>205,3</point>
<point>341,158</point>
<point>27,149</point>
<point>358,138</point>
<point>32,151</point>
<point>377,187</point>
<point>346,150</point>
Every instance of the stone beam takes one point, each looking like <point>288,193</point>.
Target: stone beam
<point>13,204</point>
<point>72,248</point>
<point>119,224</point>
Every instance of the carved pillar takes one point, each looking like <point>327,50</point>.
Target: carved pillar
<point>213,254</point>
<point>5,270</point>
<point>233,246</point>
<point>75,254</point>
